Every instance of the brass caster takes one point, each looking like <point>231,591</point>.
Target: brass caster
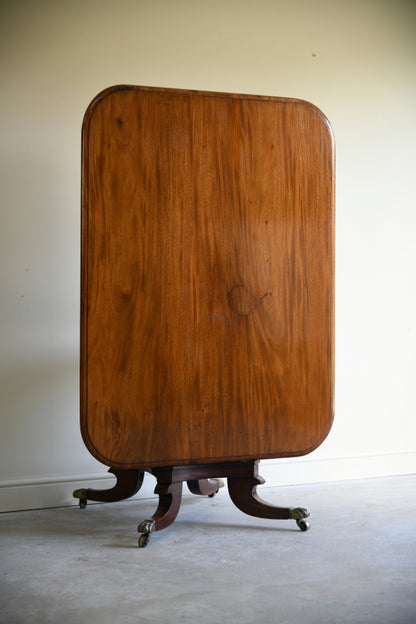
<point>220,485</point>
<point>82,495</point>
<point>298,514</point>
<point>303,525</point>
<point>146,528</point>
<point>143,540</point>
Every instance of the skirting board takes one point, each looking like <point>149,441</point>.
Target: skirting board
<point>41,493</point>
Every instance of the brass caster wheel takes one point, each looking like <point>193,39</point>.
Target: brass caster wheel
<point>82,497</point>
<point>220,485</point>
<point>146,528</point>
<point>143,540</point>
<point>303,525</point>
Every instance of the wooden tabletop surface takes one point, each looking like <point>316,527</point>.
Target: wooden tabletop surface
<point>207,277</point>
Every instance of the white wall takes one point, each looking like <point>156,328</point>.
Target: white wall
<point>355,59</point>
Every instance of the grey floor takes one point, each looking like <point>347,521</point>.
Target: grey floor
<point>356,564</point>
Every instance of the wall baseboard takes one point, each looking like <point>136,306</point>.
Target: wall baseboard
<point>301,470</point>
<point>56,491</point>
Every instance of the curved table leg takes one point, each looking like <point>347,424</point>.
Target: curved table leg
<point>128,483</point>
<point>170,495</point>
<point>205,487</point>
<point>242,490</point>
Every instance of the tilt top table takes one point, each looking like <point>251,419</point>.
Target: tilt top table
<point>207,291</point>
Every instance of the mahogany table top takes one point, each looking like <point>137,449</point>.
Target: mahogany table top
<point>207,277</point>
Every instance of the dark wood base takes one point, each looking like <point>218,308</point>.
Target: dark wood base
<point>203,479</point>
<point>128,483</point>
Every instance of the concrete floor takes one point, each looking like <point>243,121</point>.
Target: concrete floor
<point>357,564</point>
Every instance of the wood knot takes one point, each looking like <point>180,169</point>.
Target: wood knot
<point>241,301</point>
